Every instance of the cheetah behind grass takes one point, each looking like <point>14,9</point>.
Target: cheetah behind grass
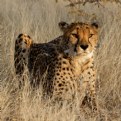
<point>69,67</point>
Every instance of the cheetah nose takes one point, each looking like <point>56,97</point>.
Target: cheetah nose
<point>84,47</point>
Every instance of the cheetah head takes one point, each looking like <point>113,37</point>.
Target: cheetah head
<point>82,38</point>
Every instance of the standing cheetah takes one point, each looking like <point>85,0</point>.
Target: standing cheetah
<point>69,66</point>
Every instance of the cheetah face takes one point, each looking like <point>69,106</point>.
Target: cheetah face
<point>82,38</point>
<point>24,41</point>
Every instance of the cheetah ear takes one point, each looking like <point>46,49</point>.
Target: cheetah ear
<point>95,25</point>
<point>63,26</point>
<point>20,35</point>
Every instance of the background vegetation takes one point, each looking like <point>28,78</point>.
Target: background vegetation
<point>39,19</point>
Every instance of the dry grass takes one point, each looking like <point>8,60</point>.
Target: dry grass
<point>39,19</point>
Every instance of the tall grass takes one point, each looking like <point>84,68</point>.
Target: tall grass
<point>39,19</point>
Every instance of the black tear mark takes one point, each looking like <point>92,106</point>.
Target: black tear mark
<point>29,37</point>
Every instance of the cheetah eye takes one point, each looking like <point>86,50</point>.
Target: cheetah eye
<point>75,35</point>
<point>91,35</point>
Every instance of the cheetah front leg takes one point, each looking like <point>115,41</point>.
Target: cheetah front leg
<point>90,97</point>
<point>92,94</point>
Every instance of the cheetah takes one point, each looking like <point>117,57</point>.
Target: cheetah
<point>68,66</point>
<point>84,39</point>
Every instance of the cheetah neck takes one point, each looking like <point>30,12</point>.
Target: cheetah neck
<point>78,63</point>
<point>85,58</point>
